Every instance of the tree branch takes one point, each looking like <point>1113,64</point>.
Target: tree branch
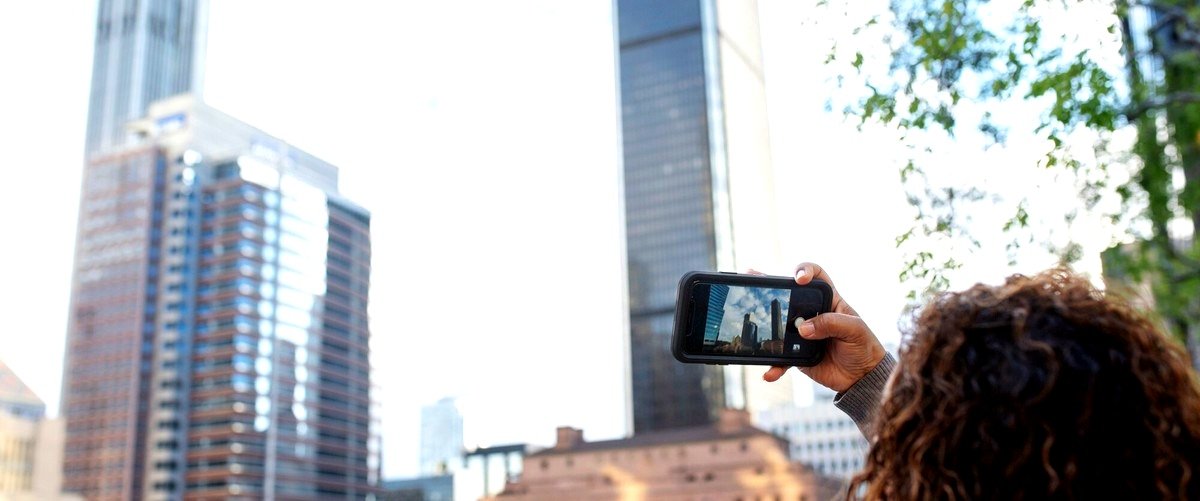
<point>1136,112</point>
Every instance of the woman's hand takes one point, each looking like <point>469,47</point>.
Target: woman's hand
<point>852,350</point>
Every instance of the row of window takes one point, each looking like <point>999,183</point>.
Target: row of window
<point>646,455</point>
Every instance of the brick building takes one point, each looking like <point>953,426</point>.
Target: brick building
<point>727,461</point>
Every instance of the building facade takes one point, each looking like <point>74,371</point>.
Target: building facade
<point>441,438</point>
<point>218,346</point>
<point>821,436</point>
<point>144,51</point>
<point>31,446</point>
<point>431,488</point>
<point>217,340</point>
<point>21,412</point>
<point>727,460</point>
<point>698,190</point>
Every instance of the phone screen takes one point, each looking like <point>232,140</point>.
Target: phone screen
<point>753,321</point>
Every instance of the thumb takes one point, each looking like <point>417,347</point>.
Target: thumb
<point>841,326</point>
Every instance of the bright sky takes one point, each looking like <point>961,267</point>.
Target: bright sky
<point>482,135</point>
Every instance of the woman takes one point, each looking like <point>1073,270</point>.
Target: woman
<point>1041,388</point>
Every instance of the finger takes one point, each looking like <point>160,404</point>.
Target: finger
<point>774,373</point>
<point>806,272</point>
<point>752,271</point>
<point>834,325</point>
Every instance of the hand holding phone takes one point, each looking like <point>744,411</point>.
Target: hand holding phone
<point>852,350</point>
<point>723,318</point>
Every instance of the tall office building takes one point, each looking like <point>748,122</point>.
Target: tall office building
<point>717,295</point>
<point>217,340</point>
<point>218,345</point>
<point>698,188</point>
<point>145,50</point>
<point>441,438</point>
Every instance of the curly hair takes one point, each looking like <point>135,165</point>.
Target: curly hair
<point>1041,388</point>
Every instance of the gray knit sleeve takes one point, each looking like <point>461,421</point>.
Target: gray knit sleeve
<point>862,399</point>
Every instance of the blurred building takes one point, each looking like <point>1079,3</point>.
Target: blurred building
<point>488,470</point>
<point>441,437</point>
<point>31,446</point>
<point>218,343</point>
<point>430,488</point>
<point>727,460</point>
<point>144,51</point>
<point>16,399</point>
<point>698,190</point>
<point>820,435</point>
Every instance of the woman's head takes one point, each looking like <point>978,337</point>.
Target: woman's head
<point>1038,388</point>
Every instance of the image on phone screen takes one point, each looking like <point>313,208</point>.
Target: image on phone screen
<point>755,321</point>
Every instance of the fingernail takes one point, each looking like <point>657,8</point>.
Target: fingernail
<point>801,273</point>
<point>807,329</point>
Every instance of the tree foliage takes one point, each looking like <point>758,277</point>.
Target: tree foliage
<point>959,65</point>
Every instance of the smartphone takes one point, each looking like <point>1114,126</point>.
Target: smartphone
<point>728,318</point>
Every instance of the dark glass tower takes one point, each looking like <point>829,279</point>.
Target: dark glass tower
<point>695,146</point>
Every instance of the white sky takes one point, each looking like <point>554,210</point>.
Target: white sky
<point>482,136</point>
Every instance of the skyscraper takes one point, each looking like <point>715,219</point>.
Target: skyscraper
<point>776,321</point>
<point>145,50</point>
<point>218,346</point>
<point>697,184</point>
<point>717,294</point>
<point>441,438</point>
<point>749,334</point>
<point>217,340</point>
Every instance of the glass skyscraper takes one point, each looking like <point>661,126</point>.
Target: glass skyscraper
<point>217,345</point>
<point>698,188</point>
<point>145,50</point>
<point>441,438</point>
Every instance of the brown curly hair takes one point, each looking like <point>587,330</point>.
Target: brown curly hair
<point>1041,388</point>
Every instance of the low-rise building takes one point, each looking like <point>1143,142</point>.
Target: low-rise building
<point>31,446</point>
<point>730,460</point>
<point>429,488</point>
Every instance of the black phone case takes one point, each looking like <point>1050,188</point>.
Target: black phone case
<point>683,312</point>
